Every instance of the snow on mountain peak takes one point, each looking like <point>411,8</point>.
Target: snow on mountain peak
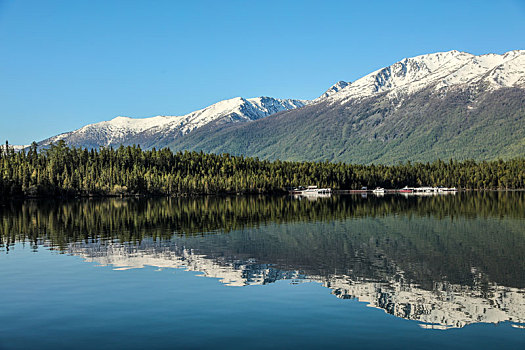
<point>441,69</point>
<point>333,89</point>
<point>236,109</point>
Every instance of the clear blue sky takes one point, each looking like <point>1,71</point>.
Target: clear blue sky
<point>64,64</point>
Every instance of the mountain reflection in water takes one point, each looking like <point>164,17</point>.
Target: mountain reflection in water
<point>443,261</point>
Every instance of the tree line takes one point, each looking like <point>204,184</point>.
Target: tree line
<point>128,170</point>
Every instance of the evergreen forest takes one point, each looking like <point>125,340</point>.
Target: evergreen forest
<point>62,171</point>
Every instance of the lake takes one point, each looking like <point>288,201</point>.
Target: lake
<point>260,272</point>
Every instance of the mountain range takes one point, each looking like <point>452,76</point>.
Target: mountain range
<point>435,106</point>
<point>161,130</point>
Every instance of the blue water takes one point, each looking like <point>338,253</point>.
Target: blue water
<point>63,298</point>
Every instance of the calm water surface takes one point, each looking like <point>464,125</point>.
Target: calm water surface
<point>345,272</point>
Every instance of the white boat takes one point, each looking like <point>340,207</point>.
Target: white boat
<point>312,191</point>
<point>447,189</point>
<point>379,190</point>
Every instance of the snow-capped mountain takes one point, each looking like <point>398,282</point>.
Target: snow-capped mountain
<point>438,70</point>
<point>18,148</point>
<point>158,131</point>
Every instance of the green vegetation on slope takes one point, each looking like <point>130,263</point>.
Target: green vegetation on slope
<point>460,124</point>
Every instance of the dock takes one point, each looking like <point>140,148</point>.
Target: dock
<point>405,190</point>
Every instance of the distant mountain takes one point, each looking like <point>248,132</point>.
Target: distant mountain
<point>443,105</point>
<point>161,130</point>
<point>18,148</point>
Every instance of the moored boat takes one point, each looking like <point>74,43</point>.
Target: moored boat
<point>406,190</point>
<point>447,189</point>
<point>379,190</point>
<point>312,191</point>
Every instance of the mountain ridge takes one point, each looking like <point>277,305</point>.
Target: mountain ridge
<point>442,69</point>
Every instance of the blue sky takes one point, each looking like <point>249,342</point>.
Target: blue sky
<point>64,64</point>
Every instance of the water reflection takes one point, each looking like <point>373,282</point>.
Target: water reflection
<point>444,305</point>
<point>443,261</point>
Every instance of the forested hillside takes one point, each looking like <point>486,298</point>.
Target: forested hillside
<point>64,171</point>
<point>463,123</point>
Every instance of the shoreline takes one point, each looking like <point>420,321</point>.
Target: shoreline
<point>240,194</point>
